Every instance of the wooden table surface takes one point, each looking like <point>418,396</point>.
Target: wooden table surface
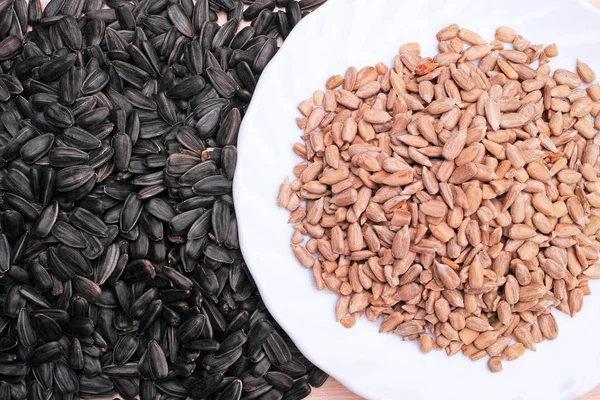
<point>333,390</point>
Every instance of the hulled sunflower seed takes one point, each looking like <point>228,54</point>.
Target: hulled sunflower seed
<point>453,225</point>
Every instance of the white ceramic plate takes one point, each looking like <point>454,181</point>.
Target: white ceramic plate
<point>362,32</point>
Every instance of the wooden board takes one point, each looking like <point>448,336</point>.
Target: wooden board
<point>333,390</point>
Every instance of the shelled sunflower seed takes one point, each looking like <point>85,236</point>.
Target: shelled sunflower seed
<point>456,197</point>
<point>120,266</point>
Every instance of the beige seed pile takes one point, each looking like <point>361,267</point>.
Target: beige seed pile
<point>457,197</point>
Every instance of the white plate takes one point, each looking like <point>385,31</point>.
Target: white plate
<point>362,32</point>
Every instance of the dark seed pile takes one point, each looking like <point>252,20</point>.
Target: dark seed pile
<point>119,257</point>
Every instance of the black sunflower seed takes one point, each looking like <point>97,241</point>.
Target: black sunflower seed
<point>107,263</point>
<point>88,222</point>
<point>142,60</point>
<point>5,254</point>
<point>61,157</point>
<point>14,370</point>
<point>139,306</point>
<point>180,20</point>
<point>187,88</point>
<point>130,213</point>
<point>80,139</point>
<point>97,385</point>
<point>195,202</point>
<point>73,260</point>
<point>128,370</point>
<point>225,34</point>
<point>205,386</point>
<point>54,68</point>
<point>257,337</point>
<point>214,185</point>
<point>76,359</point>
<point>94,32</point>
<point>71,178</point>
<point>125,17</point>
<point>223,83</point>
<point>150,315</point>
<point>118,120</point>
<point>92,118</point>
<point>34,12</point>
<point>132,74</point>
<point>221,221</point>
<point>9,47</point>
<point>293,12</point>
<point>44,224</point>
<point>69,30</point>
<point>200,14</point>
<point>95,82</point>
<point>47,327</point>
<point>228,132</point>
<point>207,125</point>
<point>241,38</point>
<point>68,235</point>
<point>11,150</point>
<point>181,223</point>
<point>34,297</point>
<point>160,209</point>
<point>40,276</point>
<point>265,54</point>
<point>219,365</point>
<point>122,146</point>
<point>64,378</point>
<point>125,348</point>
<point>27,335</point>
<point>128,388</point>
<point>231,343</point>
<point>178,279</point>
<point>148,390</point>
<point>172,387</point>
<point>293,368</point>
<point>139,271</point>
<point>232,391</point>
<point>166,108</point>
<point>28,210</point>
<point>87,288</point>
<point>73,7</point>
<point>46,352</point>
<point>18,183</point>
<point>272,394</point>
<point>300,390</point>
<point>36,148</point>
<point>43,375</point>
<point>82,105</point>
<point>159,368</point>
<point>4,93</point>
<point>263,22</point>
<point>310,4</point>
<point>12,224</point>
<point>259,391</point>
<point>13,84</point>
<point>197,173</point>
<point>58,115</point>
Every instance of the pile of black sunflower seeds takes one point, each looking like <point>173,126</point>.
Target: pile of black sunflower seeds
<point>120,266</point>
